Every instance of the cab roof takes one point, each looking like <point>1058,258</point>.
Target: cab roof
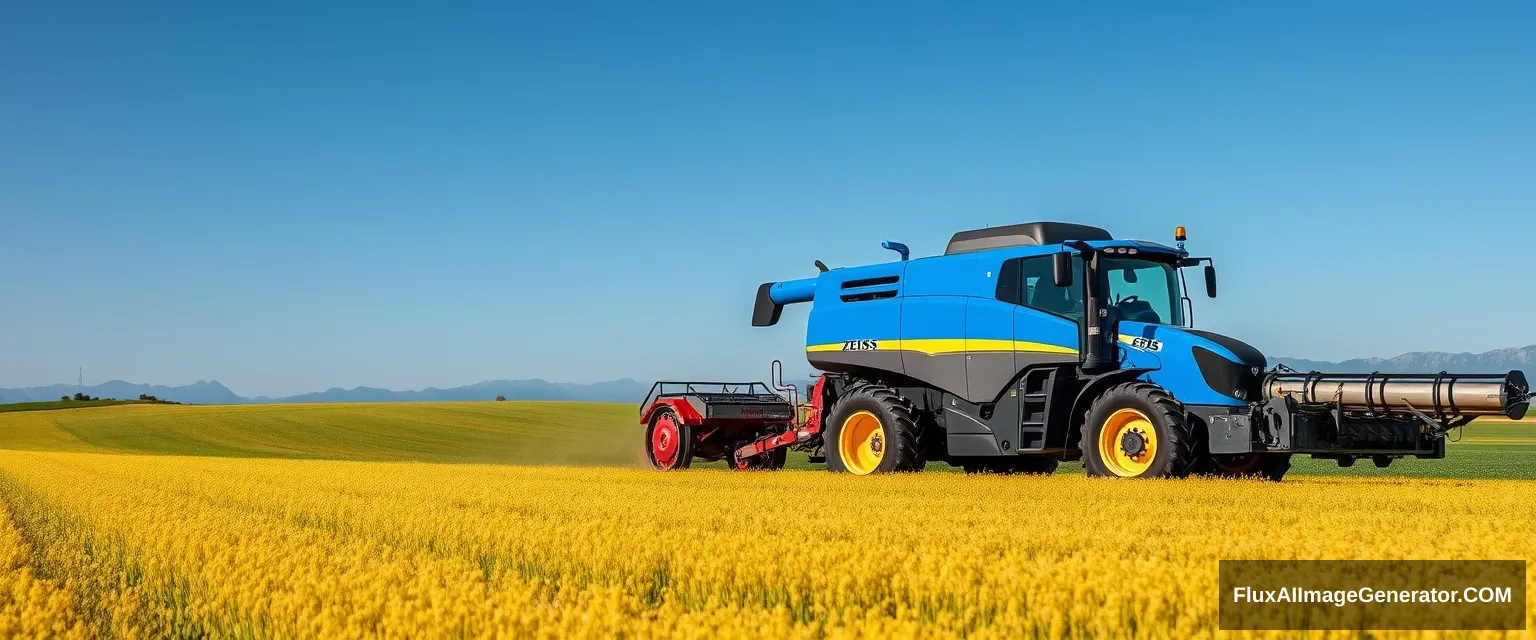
<point>1017,235</point>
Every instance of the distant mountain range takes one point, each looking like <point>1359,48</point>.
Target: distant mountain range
<point>628,390</point>
<point>1496,361</point>
<point>200,392</point>
<point>210,392</point>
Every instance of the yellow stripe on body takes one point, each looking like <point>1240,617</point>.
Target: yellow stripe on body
<point>979,344</point>
<point>938,346</point>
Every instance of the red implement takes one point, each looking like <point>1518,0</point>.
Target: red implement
<point>746,423</point>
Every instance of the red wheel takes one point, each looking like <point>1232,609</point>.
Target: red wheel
<point>668,442</point>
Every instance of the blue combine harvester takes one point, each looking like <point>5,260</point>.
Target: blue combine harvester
<point>1030,344</point>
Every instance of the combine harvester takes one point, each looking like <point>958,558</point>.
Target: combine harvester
<point>1030,344</point>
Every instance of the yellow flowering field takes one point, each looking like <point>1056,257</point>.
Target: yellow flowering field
<point>30,606</point>
<point>155,546</point>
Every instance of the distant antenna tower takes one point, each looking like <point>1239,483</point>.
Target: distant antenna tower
<point>80,379</point>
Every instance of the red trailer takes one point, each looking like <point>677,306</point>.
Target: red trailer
<point>748,424</point>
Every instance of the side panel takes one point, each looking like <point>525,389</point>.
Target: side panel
<point>970,275</point>
<point>971,431</point>
<point>989,346</point>
<point>933,341</point>
<point>1042,338</point>
<point>855,322</point>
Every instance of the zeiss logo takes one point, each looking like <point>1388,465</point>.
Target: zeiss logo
<point>861,345</point>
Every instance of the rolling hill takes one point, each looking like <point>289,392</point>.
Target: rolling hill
<point>491,432</point>
<point>524,433</point>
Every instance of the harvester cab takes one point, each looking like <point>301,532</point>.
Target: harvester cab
<point>1026,345</point>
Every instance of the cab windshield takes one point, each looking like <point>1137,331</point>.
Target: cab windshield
<point>1138,290</point>
<point>1143,290</point>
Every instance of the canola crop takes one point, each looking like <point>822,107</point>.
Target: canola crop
<point>30,606</point>
<point>146,546</point>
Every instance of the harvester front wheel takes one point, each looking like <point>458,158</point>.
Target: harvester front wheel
<point>872,430</point>
<point>668,442</point>
<point>1136,430</point>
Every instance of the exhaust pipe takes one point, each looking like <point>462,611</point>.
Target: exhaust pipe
<point>1441,395</point>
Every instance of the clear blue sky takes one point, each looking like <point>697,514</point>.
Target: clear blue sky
<point>290,196</point>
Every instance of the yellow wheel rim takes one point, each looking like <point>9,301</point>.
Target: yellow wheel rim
<point>862,443</point>
<point>1127,443</point>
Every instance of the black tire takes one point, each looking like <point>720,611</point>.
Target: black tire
<point>893,435</point>
<point>1137,407</point>
<point>771,461</point>
<point>1269,466</point>
<point>683,441</point>
<point>1027,465</point>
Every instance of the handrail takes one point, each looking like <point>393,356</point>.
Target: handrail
<point>659,389</point>
<point>646,403</point>
<point>776,376</point>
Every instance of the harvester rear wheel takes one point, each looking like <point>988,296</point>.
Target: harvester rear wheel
<point>1136,430</point>
<point>1270,466</point>
<point>1028,465</point>
<point>668,442</point>
<point>872,430</point>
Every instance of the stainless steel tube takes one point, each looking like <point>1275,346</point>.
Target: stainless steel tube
<point>1434,394</point>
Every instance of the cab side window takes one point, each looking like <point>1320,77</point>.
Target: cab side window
<point>1028,282</point>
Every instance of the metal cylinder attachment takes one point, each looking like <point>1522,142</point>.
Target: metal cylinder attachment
<point>1440,395</point>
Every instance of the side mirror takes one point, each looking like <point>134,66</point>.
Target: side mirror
<point>1210,281</point>
<point>1061,270</point>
